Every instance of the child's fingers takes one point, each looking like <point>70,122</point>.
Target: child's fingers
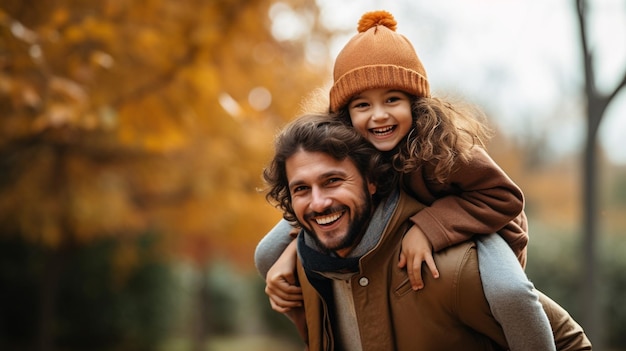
<point>402,261</point>
<point>283,306</point>
<point>279,288</point>
<point>281,277</point>
<point>415,274</point>
<point>430,262</point>
<point>285,297</point>
<point>283,290</point>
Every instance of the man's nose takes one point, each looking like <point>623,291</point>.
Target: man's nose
<point>319,200</point>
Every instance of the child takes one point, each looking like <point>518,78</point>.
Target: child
<point>381,89</point>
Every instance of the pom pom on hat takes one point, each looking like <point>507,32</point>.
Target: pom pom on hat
<point>377,57</point>
<point>376,18</point>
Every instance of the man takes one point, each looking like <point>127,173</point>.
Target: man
<point>345,198</point>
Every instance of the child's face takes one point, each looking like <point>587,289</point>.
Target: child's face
<point>383,116</point>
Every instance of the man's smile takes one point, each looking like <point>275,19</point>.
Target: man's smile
<point>329,219</point>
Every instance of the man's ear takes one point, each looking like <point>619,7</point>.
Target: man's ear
<point>371,187</point>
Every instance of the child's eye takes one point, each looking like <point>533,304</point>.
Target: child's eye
<point>395,96</point>
<point>360,105</point>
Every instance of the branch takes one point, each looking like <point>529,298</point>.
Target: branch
<point>587,55</point>
<point>617,89</point>
<point>160,80</point>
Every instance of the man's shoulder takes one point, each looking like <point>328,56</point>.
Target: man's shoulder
<point>407,206</point>
<point>461,256</point>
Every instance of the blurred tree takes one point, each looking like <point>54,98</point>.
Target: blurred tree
<point>122,117</point>
<point>596,104</point>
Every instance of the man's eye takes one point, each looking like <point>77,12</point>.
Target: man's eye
<point>299,189</point>
<point>334,180</point>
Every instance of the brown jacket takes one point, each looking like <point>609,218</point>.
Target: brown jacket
<point>484,201</point>
<point>450,313</point>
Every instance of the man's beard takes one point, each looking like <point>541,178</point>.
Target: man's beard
<point>356,229</point>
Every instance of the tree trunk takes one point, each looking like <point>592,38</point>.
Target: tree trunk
<point>200,308</point>
<point>48,292</point>
<point>589,283</point>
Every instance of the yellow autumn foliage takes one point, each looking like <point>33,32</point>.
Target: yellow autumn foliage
<point>123,118</point>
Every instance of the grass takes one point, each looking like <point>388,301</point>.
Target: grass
<point>235,343</point>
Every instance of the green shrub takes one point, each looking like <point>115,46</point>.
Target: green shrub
<point>555,267</point>
<point>91,312</point>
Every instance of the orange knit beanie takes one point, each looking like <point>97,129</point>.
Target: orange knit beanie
<point>377,57</point>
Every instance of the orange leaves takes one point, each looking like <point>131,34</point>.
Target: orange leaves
<point>90,28</point>
<point>66,106</point>
<point>149,125</point>
<point>118,125</point>
<point>30,206</point>
<point>69,198</point>
<point>99,202</point>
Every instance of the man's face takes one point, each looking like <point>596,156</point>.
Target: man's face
<point>330,198</point>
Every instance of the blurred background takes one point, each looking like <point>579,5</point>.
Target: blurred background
<point>133,135</point>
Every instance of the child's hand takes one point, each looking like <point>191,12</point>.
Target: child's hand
<point>417,249</point>
<point>281,280</point>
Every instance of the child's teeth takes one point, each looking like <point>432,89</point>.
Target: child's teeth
<point>382,130</point>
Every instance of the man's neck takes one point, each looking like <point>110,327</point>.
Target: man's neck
<point>343,253</point>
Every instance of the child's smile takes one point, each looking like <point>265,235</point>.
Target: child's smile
<point>384,131</point>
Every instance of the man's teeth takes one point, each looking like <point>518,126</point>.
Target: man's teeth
<point>327,219</point>
<point>382,131</point>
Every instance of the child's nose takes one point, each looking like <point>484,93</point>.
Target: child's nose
<point>380,113</point>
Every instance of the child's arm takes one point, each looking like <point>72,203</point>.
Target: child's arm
<point>417,249</point>
<point>272,245</point>
<point>282,282</point>
<point>477,198</point>
<point>275,259</point>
